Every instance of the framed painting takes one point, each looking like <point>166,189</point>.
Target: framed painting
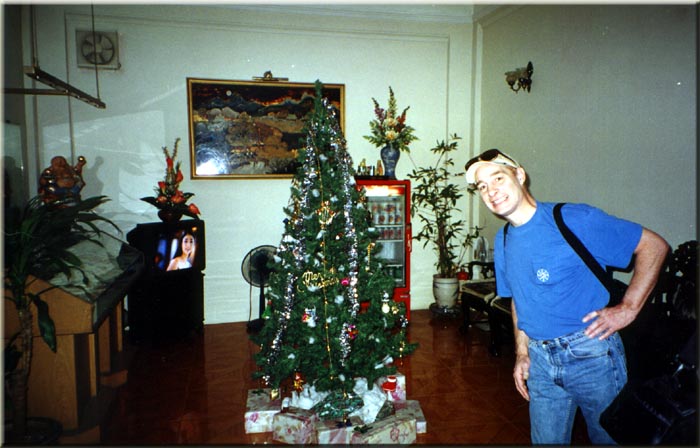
<point>251,129</point>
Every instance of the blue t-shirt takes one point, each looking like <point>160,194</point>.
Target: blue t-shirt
<point>551,286</point>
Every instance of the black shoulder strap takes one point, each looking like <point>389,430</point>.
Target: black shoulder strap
<point>580,249</point>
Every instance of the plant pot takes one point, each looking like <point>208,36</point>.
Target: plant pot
<point>169,215</point>
<point>445,291</point>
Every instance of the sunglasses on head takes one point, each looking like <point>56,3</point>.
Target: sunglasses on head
<point>488,156</point>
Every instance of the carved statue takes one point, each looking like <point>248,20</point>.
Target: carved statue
<point>61,183</point>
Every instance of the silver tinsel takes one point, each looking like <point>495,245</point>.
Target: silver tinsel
<point>293,239</point>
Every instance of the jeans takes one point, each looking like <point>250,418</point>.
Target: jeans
<point>569,372</point>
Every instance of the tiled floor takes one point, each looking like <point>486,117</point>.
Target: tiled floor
<point>193,391</point>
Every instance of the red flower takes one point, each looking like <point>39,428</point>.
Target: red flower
<point>169,162</point>
<point>193,208</point>
<point>179,177</point>
<point>178,197</point>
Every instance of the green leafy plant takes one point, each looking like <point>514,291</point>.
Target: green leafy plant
<point>38,242</point>
<point>434,200</point>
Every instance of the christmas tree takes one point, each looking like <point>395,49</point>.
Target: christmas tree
<point>330,315</point>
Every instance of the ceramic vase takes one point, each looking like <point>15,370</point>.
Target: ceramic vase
<point>390,156</point>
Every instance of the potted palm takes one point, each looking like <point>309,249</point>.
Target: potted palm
<point>38,241</point>
<point>434,200</point>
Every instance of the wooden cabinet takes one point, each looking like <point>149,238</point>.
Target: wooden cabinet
<point>76,384</point>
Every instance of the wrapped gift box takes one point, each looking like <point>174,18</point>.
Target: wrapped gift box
<point>295,426</point>
<point>411,408</point>
<point>394,430</point>
<point>336,432</point>
<point>260,410</point>
<point>398,386</point>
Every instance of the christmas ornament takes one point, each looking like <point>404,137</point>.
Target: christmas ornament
<point>385,306</point>
<point>309,317</point>
<point>369,253</point>
<point>298,381</point>
<point>315,281</point>
<point>386,361</point>
<point>352,331</point>
<point>325,214</point>
<point>390,384</point>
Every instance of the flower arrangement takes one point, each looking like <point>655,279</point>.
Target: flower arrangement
<point>169,196</point>
<point>390,128</point>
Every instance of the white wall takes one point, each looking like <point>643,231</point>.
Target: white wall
<point>611,118</point>
<point>426,64</point>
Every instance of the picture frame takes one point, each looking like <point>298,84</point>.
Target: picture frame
<point>251,129</point>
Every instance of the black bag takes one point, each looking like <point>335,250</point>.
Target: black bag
<point>615,287</point>
<point>662,410</point>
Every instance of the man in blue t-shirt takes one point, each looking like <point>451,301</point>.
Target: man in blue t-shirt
<point>568,350</point>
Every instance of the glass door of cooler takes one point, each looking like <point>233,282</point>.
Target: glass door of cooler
<point>388,202</point>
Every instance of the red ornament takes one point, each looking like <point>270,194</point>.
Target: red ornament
<point>345,281</point>
<point>463,275</point>
<point>390,384</point>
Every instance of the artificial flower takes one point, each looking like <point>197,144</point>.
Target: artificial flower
<point>168,193</point>
<point>388,127</point>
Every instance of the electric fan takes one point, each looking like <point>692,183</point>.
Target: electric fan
<point>256,272</point>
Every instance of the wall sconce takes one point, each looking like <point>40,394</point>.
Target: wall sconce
<point>520,78</point>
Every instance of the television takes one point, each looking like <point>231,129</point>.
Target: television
<point>169,247</point>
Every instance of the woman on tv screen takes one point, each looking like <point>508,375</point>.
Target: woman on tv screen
<point>185,259</point>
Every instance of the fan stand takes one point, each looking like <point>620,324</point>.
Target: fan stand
<point>255,325</point>
<point>252,264</point>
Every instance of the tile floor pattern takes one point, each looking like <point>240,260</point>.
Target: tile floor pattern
<point>193,390</point>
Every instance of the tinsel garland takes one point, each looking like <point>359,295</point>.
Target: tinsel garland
<point>311,167</point>
<point>339,147</point>
<point>299,252</point>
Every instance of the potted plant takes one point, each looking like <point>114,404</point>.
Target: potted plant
<point>434,200</point>
<point>390,132</point>
<point>38,240</point>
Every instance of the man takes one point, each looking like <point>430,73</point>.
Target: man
<point>568,351</point>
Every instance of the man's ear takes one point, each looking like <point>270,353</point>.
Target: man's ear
<point>520,175</point>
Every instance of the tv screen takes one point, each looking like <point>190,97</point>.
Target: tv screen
<point>171,246</point>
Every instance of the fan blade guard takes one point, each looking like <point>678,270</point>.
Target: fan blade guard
<point>254,267</point>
